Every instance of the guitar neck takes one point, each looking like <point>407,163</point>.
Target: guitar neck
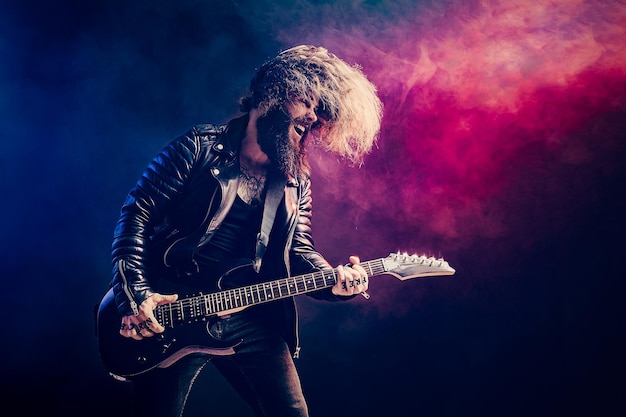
<point>204,305</point>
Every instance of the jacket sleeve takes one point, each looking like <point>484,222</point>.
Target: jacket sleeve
<point>158,188</point>
<point>304,258</point>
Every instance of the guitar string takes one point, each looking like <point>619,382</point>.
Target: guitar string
<point>203,305</point>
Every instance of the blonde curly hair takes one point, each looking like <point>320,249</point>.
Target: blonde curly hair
<point>349,109</point>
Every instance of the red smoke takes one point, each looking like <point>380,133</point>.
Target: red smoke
<point>493,111</point>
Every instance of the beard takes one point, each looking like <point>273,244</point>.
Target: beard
<point>273,138</point>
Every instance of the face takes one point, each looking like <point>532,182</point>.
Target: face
<point>282,135</point>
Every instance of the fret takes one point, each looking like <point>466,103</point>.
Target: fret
<point>228,300</point>
<point>324,279</point>
<point>163,310</point>
<point>268,291</point>
<point>322,276</point>
<point>206,305</point>
<point>245,300</point>
<point>168,309</point>
<point>302,287</point>
<point>267,287</point>
<point>185,311</point>
<point>213,304</point>
<point>218,302</point>
<point>254,292</point>
<point>243,296</point>
<point>194,308</point>
<point>237,297</point>
<point>231,298</point>
<point>181,316</point>
<point>224,300</point>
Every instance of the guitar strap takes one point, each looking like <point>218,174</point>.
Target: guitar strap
<point>273,197</point>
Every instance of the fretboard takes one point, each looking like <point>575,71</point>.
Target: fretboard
<point>198,307</point>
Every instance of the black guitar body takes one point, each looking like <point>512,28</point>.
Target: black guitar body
<point>126,357</point>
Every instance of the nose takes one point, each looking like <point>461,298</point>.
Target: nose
<point>310,115</point>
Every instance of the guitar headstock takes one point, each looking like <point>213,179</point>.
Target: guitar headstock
<point>404,266</point>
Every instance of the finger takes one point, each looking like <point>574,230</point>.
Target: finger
<point>127,327</point>
<point>350,283</point>
<point>362,278</point>
<point>358,283</point>
<point>154,325</point>
<point>342,277</point>
<point>132,332</point>
<point>143,329</point>
<point>340,287</point>
<point>164,298</point>
<point>363,281</point>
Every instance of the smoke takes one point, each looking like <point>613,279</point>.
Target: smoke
<point>492,108</point>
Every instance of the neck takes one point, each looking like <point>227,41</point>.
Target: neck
<point>253,163</point>
<point>252,182</point>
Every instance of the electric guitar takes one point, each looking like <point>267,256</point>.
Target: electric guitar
<point>184,333</point>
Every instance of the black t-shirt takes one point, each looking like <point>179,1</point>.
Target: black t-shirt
<point>236,237</point>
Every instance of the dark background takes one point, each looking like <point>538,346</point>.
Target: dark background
<point>502,150</point>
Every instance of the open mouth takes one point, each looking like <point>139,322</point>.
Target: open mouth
<point>299,128</point>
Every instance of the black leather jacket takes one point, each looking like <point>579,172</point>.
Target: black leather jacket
<point>186,192</point>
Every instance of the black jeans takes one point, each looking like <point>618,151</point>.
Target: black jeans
<point>262,371</point>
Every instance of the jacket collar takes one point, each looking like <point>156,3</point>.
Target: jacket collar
<point>230,141</point>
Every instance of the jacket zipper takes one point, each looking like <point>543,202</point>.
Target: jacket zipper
<point>296,352</point>
<point>121,267</point>
<point>293,224</point>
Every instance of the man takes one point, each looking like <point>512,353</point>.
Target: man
<point>239,194</point>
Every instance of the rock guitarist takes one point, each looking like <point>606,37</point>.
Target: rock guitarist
<point>223,195</point>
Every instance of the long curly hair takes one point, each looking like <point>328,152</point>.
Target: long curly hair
<point>349,112</point>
